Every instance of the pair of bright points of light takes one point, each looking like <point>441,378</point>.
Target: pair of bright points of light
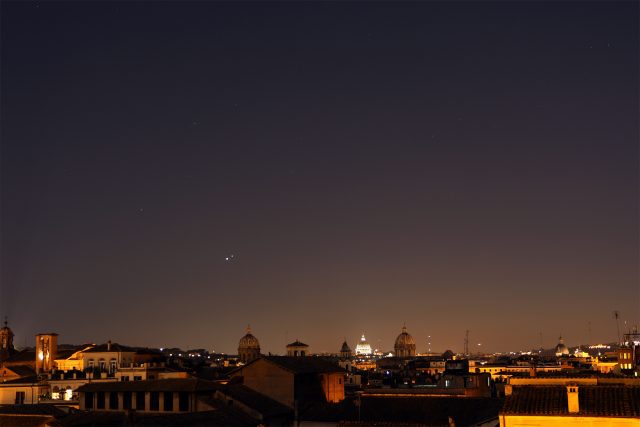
<point>230,257</point>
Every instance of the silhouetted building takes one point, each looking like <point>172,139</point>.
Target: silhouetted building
<point>297,348</point>
<point>345,350</point>
<point>294,380</point>
<point>6,342</point>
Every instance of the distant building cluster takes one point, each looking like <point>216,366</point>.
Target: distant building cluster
<point>53,384</point>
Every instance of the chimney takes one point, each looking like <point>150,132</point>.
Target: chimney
<point>572,399</point>
<point>109,345</point>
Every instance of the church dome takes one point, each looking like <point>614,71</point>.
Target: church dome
<point>405,339</point>
<point>248,347</point>
<point>345,348</point>
<point>363,348</point>
<point>561,349</point>
<point>405,345</point>
<point>249,341</point>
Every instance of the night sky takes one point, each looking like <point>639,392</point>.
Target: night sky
<point>174,171</point>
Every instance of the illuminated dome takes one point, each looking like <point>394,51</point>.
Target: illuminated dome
<point>248,347</point>
<point>363,348</point>
<point>405,344</point>
<point>561,349</point>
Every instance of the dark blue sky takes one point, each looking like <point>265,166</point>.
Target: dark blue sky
<point>449,165</point>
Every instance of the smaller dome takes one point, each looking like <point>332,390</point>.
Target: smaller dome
<point>249,341</point>
<point>404,339</point>
<point>561,349</point>
<point>345,348</point>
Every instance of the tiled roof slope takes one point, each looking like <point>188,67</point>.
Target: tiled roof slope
<point>113,347</point>
<point>22,370</point>
<point>594,401</point>
<point>405,411</point>
<point>261,403</point>
<point>28,355</point>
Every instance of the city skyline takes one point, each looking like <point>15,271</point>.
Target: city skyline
<point>173,172</point>
<point>377,343</point>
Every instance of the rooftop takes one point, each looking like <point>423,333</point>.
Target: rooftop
<point>304,365</point>
<point>27,355</point>
<point>257,401</point>
<point>115,347</point>
<point>171,384</point>
<point>595,401</point>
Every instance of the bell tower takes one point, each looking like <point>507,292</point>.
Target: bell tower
<point>46,351</point>
<point>6,341</point>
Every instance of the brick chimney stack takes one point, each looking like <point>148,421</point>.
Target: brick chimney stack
<point>572,399</point>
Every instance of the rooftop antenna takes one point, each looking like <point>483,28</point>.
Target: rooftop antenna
<point>616,315</point>
<point>466,343</point>
<point>590,342</point>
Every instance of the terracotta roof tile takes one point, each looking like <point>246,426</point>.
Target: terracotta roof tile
<point>612,401</point>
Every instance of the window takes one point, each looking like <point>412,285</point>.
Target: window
<point>168,401</point>
<point>183,401</point>
<point>140,401</point>
<point>88,400</point>
<point>154,401</point>
<point>100,400</point>
<point>20,397</point>
<point>91,363</point>
<point>112,366</point>
<point>113,400</point>
<point>137,378</point>
<point>124,378</point>
<point>102,364</point>
<point>126,400</point>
